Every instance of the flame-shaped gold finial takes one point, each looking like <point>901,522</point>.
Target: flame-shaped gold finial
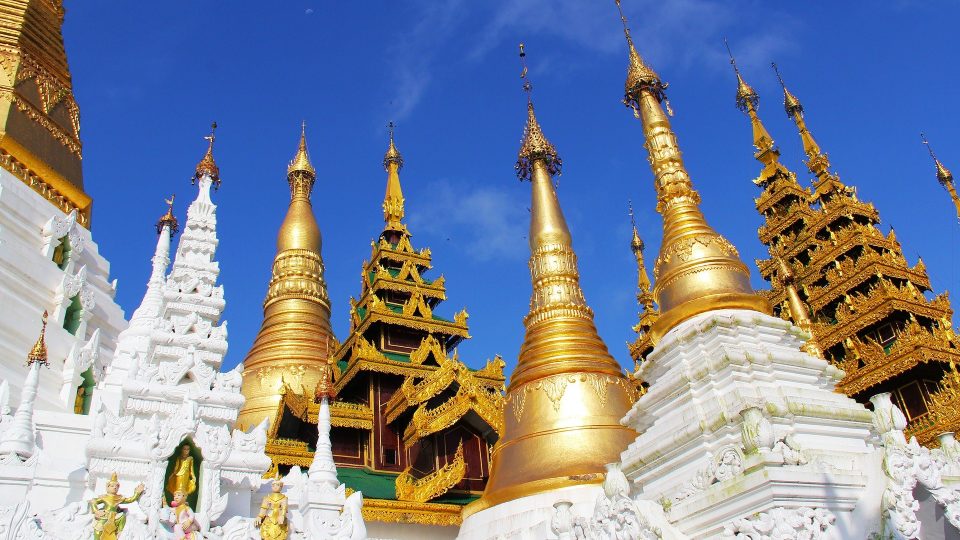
<point>799,311</point>
<point>168,219</point>
<point>817,161</point>
<point>644,287</point>
<point>697,269</point>
<point>534,145</point>
<point>301,160</point>
<point>748,101</point>
<point>553,417</point>
<point>393,210</point>
<point>640,75</point>
<point>944,176</point>
<point>38,354</point>
<point>746,96</point>
<point>324,387</point>
<point>207,165</point>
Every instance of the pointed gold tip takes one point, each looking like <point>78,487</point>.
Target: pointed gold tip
<point>392,155</point>
<point>38,354</point>
<point>746,96</point>
<point>791,104</point>
<point>535,146</point>
<point>207,165</point>
<point>168,219</point>
<point>301,161</point>
<point>944,176</point>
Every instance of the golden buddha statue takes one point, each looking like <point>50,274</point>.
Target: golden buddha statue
<point>109,518</point>
<point>183,478</point>
<point>272,520</point>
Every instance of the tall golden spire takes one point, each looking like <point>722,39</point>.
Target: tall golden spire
<point>207,165</point>
<point>38,354</point>
<point>799,312</point>
<point>295,339</point>
<point>644,288</point>
<point>567,395</point>
<point>944,176</point>
<point>393,198</point>
<point>697,270</point>
<point>39,117</point>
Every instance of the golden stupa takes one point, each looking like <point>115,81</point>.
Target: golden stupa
<point>698,270</point>
<point>295,339</point>
<point>567,394</point>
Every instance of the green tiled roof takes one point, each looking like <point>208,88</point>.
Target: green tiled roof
<point>381,485</point>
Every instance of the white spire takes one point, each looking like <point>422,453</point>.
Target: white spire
<point>323,470</point>
<point>152,303</point>
<point>19,439</point>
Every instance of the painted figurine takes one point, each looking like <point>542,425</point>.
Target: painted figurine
<point>185,526</point>
<point>183,478</point>
<point>272,519</point>
<point>109,517</point>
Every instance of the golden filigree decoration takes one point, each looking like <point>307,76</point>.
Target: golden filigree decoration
<point>434,484</point>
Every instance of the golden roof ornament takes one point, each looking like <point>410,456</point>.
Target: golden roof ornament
<point>640,76</point>
<point>944,176</point>
<point>535,145</point>
<point>392,155</point>
<point>553,418</point>
<point>697,270</point>
<point>746,95</point>
<point>301,161</point>
<point>393,202</point>
<point>324,387</point>
<point>790,102</point>
<point>168,219</point>
<point>207,165</point>
<point>38,354</point>
<point>644,294</point>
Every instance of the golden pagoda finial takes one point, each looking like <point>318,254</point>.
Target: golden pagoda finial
<point>535,145</point>
<point>944,176</point>
<point>38,354</point>
<point>644,291</point>
<point>640,75</point>
<point>790,102</point>
<point>324,387</point>
<point>392,155</point>
<point>553,417</point>
<point>393,211</point>
<point>301,161</point>
<point>817,162</point>
<point>799,311</point>
<point>207,165</point>
<point>168,219</point>
<point>748,101</point>
<point>697,270</point>
<point>746,96</point>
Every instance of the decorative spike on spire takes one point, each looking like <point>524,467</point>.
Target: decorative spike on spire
<point>944,176</point>
<point>324,389</point>
<point>746,96</point>
<point>697,270</point>
<point>168,219</point>
<point>535,145</point>
<point>38,354</point>
<point>393,210</point>
<point>392,155</point>
<point>644,292</point>
<point>817,161</point>
<point>790,102</point>
<point>799,311</point>
<point>207,165</point>
<point>639,75</point>
<point>301,161</point>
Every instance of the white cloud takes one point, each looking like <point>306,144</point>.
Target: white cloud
<point>684,34</point>
<point>484,223</point>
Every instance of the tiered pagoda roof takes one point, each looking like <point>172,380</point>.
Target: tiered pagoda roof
<point>869,311</point>
<point>412,425</point>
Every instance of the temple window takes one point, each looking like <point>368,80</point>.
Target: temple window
<point>73,316</point>
<point>61,253</point>
<point>81,404</point>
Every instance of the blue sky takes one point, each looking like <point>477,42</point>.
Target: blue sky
<point>150,80</point>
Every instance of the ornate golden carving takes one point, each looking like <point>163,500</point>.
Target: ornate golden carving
<point>434,484</point>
